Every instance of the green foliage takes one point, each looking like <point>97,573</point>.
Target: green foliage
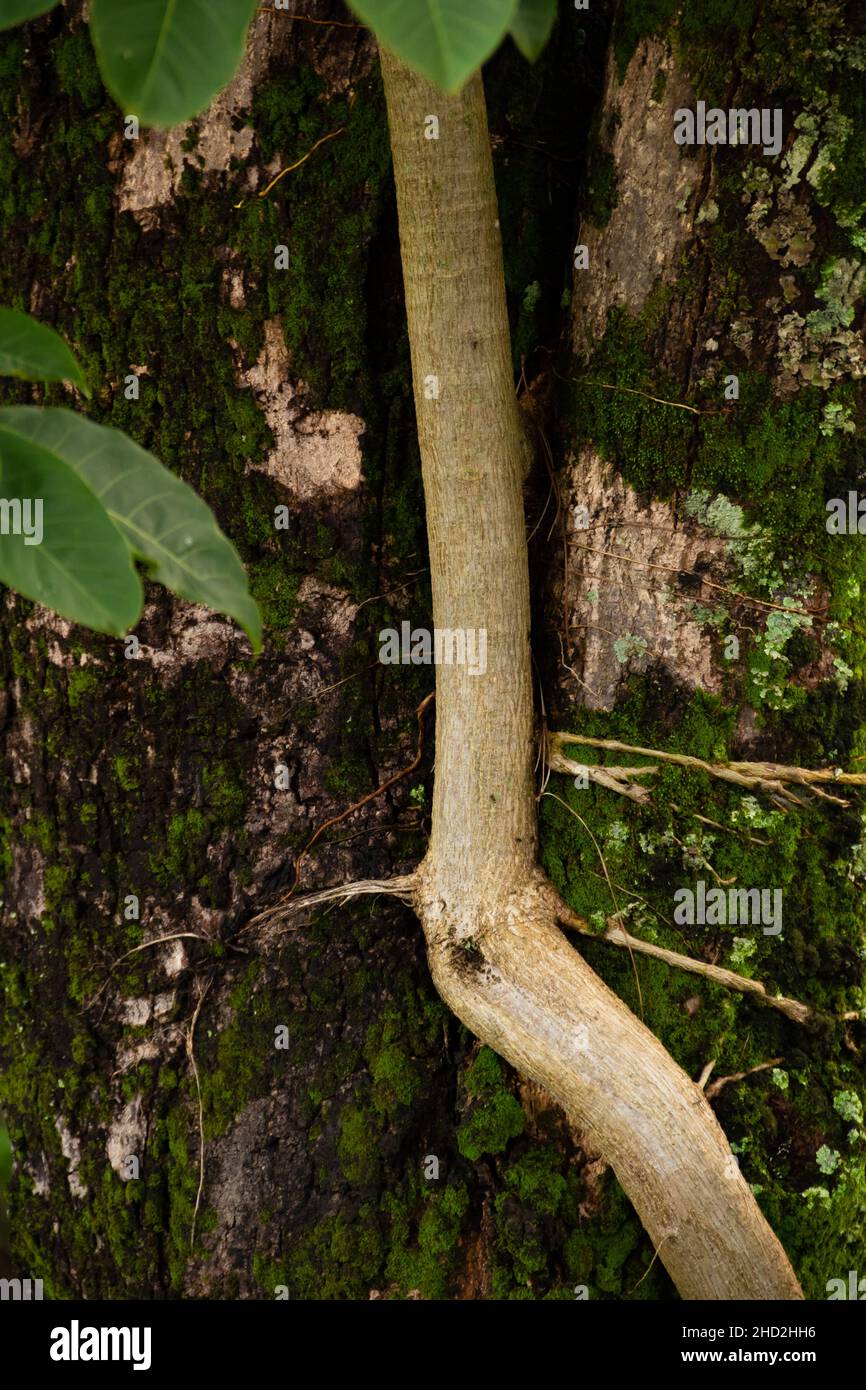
<point>17,11</point>
<point>164,61</point>
<point>73,559</point>
<point>445,40</point>
<point>31,350</point>
<point>531,24</point>
<point>122,493</point>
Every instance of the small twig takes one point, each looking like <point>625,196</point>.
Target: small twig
<point>297,164</point>
<point>190,1052</point>
<point>145,946</point>
<point>717,825</point>
<point>633,391</point>
<point>570,669</point>
<point>375,598</point>
<point>650,1265</point>
<point>814,615</point>
<point>712,1091</point>
<point>158,941</point>
<point>305,19</point>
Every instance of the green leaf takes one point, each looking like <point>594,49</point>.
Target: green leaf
<point>165,60</point>
<point>32,350</point>
<point>161,519</point>
<point>72,558</point>
<point>531,24</point>
<point>16,11</point>
<point>445,40</point>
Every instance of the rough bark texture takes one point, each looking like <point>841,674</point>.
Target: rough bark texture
<point>685,531</point>
<point>157,777</point>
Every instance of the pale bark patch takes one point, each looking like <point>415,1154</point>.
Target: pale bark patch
<point>70,1146</point>
<point>151,178</point>
<point>620,595</point>
<point>127,1136</point>
<point>654,181</point>
<point>315,452</point>
<point>196,635</point>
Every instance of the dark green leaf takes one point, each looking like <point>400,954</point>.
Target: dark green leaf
<point>445,40</point>
<point>16,11</point>
<point>531,24</point>
<point>161,519</point>
<point>79,564</point>
<point>165,60</point>
<point>32,350</point>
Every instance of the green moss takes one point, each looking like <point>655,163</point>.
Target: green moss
<point>494,1117</point>
<point>123,770</point>
<point>339,1259</point>
<point>635,20</point>
<point>427,1265</point>
<point>186,837</point>
<point>601,189</point>
<point>225,795</point>
<point>82,684</point>
<point>537,1180</point>
<point>234,1064</point>
<point>358,1149</point>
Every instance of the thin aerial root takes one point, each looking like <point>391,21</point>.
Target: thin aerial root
<point>776,779</point>
<point>791,1008</point>
<point>402,886</point>
<point>190,1052</point>
<point>356,805</point>
<point>712,1091</point>
<point>615,779</point>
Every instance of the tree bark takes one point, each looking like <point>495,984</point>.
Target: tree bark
<point>157,776</point>
<point>495,953</point>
